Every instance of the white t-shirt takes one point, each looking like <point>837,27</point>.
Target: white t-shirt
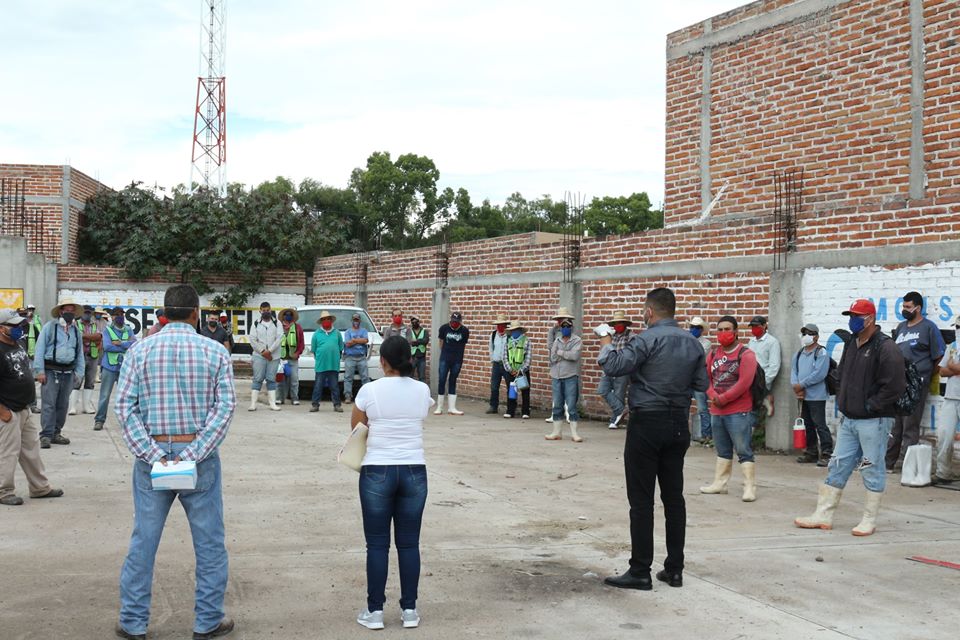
<point>395,408</point>
<point>953,382</point>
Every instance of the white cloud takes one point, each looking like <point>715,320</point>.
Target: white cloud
<point>532,97</point>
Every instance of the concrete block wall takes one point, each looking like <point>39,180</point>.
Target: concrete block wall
<point>28,271</point>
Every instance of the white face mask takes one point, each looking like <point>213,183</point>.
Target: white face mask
<point>806,340</point>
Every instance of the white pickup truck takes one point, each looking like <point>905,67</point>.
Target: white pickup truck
<point>342,316</point>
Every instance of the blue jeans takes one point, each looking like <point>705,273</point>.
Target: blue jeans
<point>733,433</point>
<point>107,380</point>
<point>395,493</point>
<point>55,400</point>
<point>498,375</point>
<point>703,412</point>
<point>448,377</point>
<point>613,390</point>
<point>291,383</point>
<point>861,444</point>
<point>264,369</point>
<point>326,379</point>
<point>353,366</point>
<point>204,509</point>
<point>566,391</point>
<point>420,368</point>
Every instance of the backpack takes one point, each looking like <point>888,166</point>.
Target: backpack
<point>907,403</point>
<point>833,384</point>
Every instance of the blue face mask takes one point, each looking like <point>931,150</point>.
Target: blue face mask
<point>696,331</point>
<point>566,332</point>
<point>16,333</point>
<point>516,334</point>
<point>856,324</point>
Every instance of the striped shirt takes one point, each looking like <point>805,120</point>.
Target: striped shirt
<point>179,383</point>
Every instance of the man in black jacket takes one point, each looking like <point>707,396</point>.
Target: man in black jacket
<point>872,379</point>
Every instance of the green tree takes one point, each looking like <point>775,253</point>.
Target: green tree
<point>621,215</point>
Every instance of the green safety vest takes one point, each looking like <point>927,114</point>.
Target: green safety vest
<point>94,352</point>
<point>112,356</point>
<point>289,338</point>
<point>516,351</point>
<point>32,333</point>
<point>420,349</point>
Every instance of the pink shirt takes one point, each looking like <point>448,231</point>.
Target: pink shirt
<point>731,375</point>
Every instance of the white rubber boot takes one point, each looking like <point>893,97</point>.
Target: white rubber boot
<point>86,402</point>
<point>439,410</point>
<point>720,477</point>
<point>573,432</point>
<point>869,522</point>
<point>74,399</point>
<point>452,398</point>
<point>555,434</point>
<point>749,481</point>
<point>827,503</point>
<point>254,394</point>
<point>272,397</point>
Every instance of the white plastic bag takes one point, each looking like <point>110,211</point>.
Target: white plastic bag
<point>916,466</point>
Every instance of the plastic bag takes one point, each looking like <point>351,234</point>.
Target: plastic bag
<point>917,466</point>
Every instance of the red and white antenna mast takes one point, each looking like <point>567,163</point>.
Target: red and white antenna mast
<point>210,117</point>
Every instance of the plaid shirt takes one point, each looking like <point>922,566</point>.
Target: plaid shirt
<point>176,384</point>
<point>620,340</point>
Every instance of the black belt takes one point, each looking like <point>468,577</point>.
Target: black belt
<point>56,366</point>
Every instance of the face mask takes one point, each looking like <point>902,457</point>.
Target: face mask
<point>163,321</point>
<point>516,334</point>
<point>806,340</point>
<point>566,332</point>
<point>266,315</point>
<point>397,319</point>
<point>501,328</point>
<point>619,328</point>
<point>212,324</point>
<point>87,317</point>
<point>68,317</point>
<point>696,331</point>
<point>454,325</point>
<point>757,331</point>
<point>908,315</point>
<point>326,324</point>
<point>15,333</point>
<point>856,324</point>
<point>288,317</point>
<point>414,323</point>
<point>356,324</point>
<point>118,321</point>
<point>726,338</point>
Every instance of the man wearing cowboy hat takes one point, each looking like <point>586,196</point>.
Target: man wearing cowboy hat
<point>291,347</point>
<point>118,337</point>
<point>516,361</point>
<point>327,347</point>
<point>498,373</point>
<point>355,350</point>
<point>265,337</point>
<point>614,389</point>
<point>18,433</point>
<point>565,376</point>
<point>562,314</point>
<point>57,365</point>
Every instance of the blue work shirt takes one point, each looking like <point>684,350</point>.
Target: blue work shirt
<point>357,350</point>
<point>809,369</point>
<point>60,344</point>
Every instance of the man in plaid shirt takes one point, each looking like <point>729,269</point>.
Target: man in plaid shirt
<point>175,401</point>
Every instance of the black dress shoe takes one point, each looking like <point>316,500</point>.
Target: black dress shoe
<point>129,636</point>
<point>672,579</point>
<point>807,457</point>
<point>222,629</point>
<point>630,581</point>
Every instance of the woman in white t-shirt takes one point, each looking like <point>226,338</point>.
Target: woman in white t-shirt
<point>393,478</point>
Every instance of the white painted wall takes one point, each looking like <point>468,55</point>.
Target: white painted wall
<point>829,292</point>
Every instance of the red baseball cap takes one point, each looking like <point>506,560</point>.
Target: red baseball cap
<point>861,307</point>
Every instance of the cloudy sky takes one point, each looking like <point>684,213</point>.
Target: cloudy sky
<point>537,97</point>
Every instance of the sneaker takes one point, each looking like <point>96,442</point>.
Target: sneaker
<point>34,409</point>
<point>550,419</point>
<point>15,501</point>
<point>371,619</point>
<point>225,627</point>
<point>98,426</point>
<point>44,443</point>
<point>348,401</point>
<point>59,439</point>
<point>525,416</point>
<point>612,425</point>
<point>807,457</point>
<point>410,618</point>
<point>296,403</point>
<point>824,459</point>
<point>623,415</point>
<point>338,408</point>
<point>507,415</point>
<point>314,408</point>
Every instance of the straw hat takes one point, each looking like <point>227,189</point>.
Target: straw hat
<point>99,311</point>
<point>55,312</point>
<point>296,316</point>
<point>325,314</point>
<point>501,319</point>
<point>698,322</point>
<point>514,325</point>
<point>563,312</point>
<point>620,316</point>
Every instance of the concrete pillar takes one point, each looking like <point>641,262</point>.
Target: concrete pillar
<point>360,298</point>
<point>439,316</point>
<point>784,322</point>
<point>571,297</point>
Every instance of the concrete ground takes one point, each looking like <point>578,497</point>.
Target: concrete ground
<point>518,534</point>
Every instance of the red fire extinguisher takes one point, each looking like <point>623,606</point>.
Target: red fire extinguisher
<point>799,434</point>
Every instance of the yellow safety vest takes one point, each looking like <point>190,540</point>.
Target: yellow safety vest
<point>289,341</point>
<point>91,329</point>
<point>112,356</point>
<point>420,349</point>
<point>32,333</point>
<point>516,352</point>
